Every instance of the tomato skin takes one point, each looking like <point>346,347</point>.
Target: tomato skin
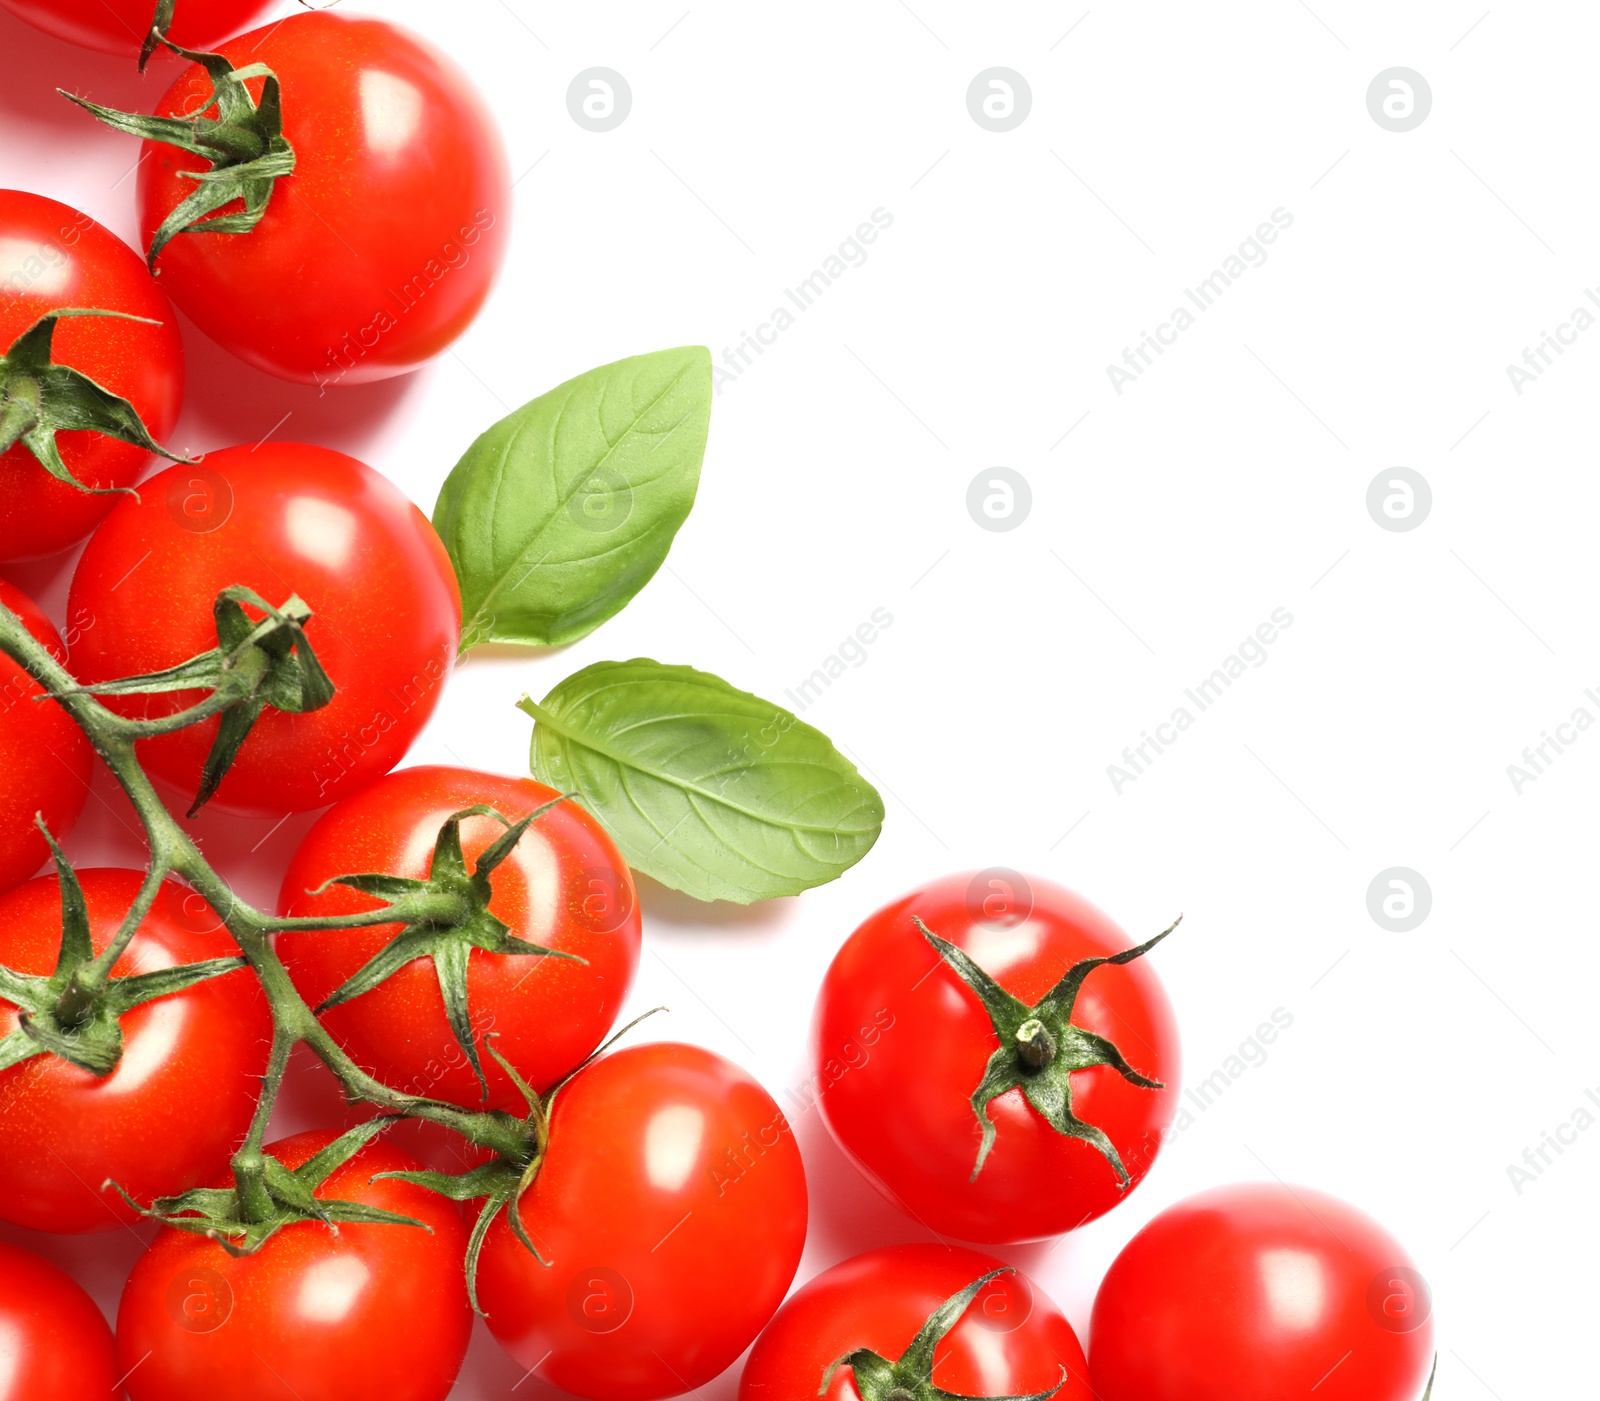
<point>52,257</point>
<point>1012,1341</point>
<point>45,759</point>
<point>378,1310</point>
<point>280,518</point>
<point>672,1206</point>
<point>53,1341</point>
<point>565,887</point>
<point>119,26</point>
<point>1254,1292</point>
<point>378,251</point>
<point>900,1043</point>
<point>179,1102</point>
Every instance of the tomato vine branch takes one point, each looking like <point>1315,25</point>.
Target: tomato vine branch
<point>264,1189</point>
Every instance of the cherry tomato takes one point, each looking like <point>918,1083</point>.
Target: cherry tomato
<point>45,759</point>
<point>51,258</point>
<point>378,251</point>
<point>1010,1341</point>
<point>1258,1291</point>
<point>178,1103</point>
<point>377,1310</point>
<point>901,1043</point>
<point>280,518</point>
<point>119,26</point>
<point>53,1341</point>
<point>671,1206</point>
<point>564,887</point>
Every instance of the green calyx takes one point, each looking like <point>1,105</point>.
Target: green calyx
<point>39,398</point>
<point>75,1013</point>
<point>160,24</point>
<point>501,1183</point>
<point>446,917</point>
<point>241,1221</point>
<point>256,665</point>
<point>911,1378</point>
<point>1040,1047</point>
<point>244,143</point>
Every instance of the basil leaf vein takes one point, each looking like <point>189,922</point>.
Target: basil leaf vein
<point>705,788</point>
<point>563,510</point>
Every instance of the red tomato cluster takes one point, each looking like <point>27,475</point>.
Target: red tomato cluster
<point>369,259</point>
<point>994,1053</point>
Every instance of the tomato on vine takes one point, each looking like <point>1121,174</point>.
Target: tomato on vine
<point>669,1210</point>
<point>123,373</point>
<point>175,1104</point>
<point>53,1341</point>
<point>45,760</point>
<point>917,1323</point>
<point>1258,1291</point>
<point>417,1008</point>
<point>375,594</point>
<point>356,204</point>
<point>376,1308</point>
<point>997,1057</point>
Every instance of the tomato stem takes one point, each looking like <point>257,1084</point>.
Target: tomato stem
<point>250,1163</point>
<point>174,853</point>
<point>91,979</point>
<point>1036,1047</point>
<point>1040,1047</point>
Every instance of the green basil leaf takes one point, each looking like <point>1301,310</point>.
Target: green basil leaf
<point>708,789</point>
<point>564,510</point>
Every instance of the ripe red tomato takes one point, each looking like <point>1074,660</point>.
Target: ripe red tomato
<point>53,1341</point>
<point>376,1310</point>
<point>45,759</point>
<point>1258,1291</point>
<point>901,1043</point>
<point>281,518</point>
<point>1011,1340</point>
<point>119,26</point>
<point>672,1208</point>
<point>178,1103</point>
<point>380,248</point>
<point>52,257</point>
<point>564,887</point>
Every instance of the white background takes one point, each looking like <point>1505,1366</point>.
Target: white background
<point>1165,526</point>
